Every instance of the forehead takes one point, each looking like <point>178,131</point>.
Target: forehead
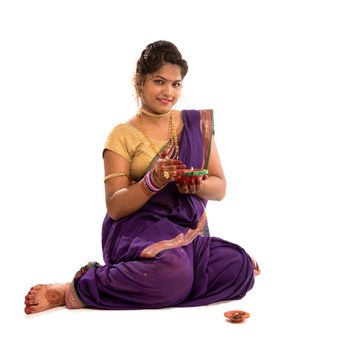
<point>168,71</point>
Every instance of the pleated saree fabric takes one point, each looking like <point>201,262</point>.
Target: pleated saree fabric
<point>163,254</point>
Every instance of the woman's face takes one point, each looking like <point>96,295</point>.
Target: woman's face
<point>161,89</point>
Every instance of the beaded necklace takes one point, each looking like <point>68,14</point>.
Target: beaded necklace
<point>172,129</point>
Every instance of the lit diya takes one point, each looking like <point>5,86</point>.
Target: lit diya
<point>191,176</point>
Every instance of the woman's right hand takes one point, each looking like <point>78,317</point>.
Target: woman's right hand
<point>167,169</point>
<point>191,187</point>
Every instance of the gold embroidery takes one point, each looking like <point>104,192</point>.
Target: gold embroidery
<point>207,131</point>
<point>179,241</point>
<point>72,299</point>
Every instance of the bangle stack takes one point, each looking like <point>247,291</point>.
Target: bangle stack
<point>150,183</point>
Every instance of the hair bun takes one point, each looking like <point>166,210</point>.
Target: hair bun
<point>158,53</point>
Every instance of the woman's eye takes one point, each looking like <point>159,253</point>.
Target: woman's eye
<point>177,85</point>
<point>159,82</point>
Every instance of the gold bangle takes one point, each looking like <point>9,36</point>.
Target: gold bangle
<point>110,176</point>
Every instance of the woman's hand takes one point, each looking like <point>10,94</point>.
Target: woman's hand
<point>166,169</point>
<point>192,187</point>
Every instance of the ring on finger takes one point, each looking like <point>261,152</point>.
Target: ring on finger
<point>166,175</point>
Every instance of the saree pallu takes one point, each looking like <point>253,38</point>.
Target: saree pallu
<point>163,255</point>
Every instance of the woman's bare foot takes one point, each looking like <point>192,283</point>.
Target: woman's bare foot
<point>45,296</point>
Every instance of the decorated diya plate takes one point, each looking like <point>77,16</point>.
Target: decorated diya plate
<point>236,316</point>
<point>191,176</point>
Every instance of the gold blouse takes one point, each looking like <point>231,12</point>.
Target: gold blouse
<point>127,141</point>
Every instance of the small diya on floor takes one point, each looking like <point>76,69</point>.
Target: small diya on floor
<point>236,316</point>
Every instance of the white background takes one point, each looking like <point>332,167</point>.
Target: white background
<point>277,75</point>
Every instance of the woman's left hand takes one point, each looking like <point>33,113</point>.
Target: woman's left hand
<point>193,187</point>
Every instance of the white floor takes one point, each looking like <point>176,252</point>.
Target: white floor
<point>292,307</point>
<point>277,76</point>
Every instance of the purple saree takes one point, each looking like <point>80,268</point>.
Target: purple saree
<point>162,255</point>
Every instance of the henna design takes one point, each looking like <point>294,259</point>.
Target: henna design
<point>54,297</point>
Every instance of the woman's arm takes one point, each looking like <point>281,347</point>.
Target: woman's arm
<point>122,198</point>
<point>213,187</point>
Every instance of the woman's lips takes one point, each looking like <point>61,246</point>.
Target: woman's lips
<point>164,101</point>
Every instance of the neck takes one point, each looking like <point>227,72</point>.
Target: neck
<point>154,115</point>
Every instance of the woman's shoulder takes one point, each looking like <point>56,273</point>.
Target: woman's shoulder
<point>120,127</point>
<point>123,139</point>
<point>123,130</point>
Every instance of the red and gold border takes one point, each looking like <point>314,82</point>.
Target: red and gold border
<point>207,128</point>
<point>72,299</point>
<point>179,241</point>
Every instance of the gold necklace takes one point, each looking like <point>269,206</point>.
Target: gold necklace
<point>149,114</point>
<point>172,127</point>
<point>174,135</point>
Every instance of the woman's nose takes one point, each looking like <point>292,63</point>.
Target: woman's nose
<point>168,90</point>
